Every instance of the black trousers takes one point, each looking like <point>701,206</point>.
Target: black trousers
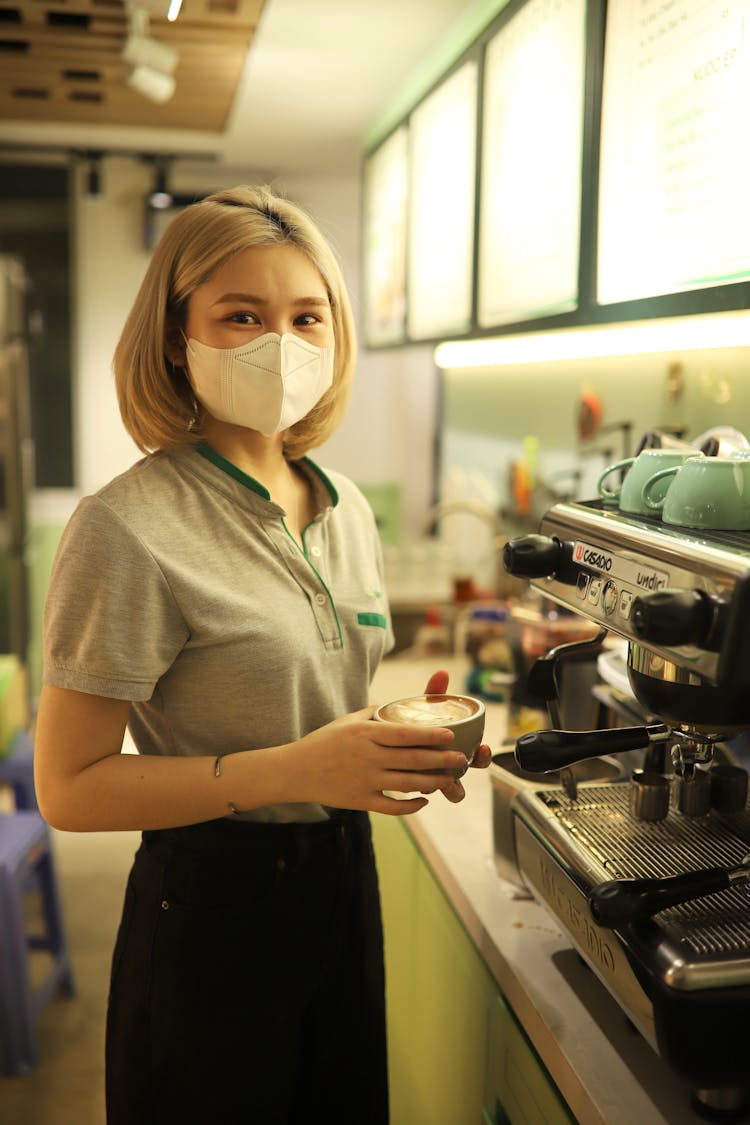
<point>247,979</point>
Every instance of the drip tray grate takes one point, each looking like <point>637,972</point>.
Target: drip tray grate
<point>603,827</point>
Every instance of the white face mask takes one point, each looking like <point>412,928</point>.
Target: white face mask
<point>266,385</point>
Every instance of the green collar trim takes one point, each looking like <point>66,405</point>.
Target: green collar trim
<point>231,470</point>
<point>330,488</point>
<point>254,485</point>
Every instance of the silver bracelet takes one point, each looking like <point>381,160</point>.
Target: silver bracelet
<point>217,773</point>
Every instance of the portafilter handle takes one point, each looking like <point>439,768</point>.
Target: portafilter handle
<point>620,901</point>
<point>544,751</point>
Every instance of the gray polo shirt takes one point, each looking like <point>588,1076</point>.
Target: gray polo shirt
<point>178,586</point>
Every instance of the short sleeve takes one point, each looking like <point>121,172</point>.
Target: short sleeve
<point>111,624</point>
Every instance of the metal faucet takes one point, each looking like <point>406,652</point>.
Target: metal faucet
<point>473,507</point>
<point>505,585</point>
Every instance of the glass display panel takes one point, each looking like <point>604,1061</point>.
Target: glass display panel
<point>442,164</point>
<point>532,144</point>
<point>385,194</point>
<point>674,153</point>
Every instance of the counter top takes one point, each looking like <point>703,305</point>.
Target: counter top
<point>605,1070</point>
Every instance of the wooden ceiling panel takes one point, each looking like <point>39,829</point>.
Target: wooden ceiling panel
<point>61,61</point>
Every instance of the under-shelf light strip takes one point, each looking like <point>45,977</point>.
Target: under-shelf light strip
<point>720,330</point>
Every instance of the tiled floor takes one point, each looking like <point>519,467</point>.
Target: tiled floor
<point>67,1087</point>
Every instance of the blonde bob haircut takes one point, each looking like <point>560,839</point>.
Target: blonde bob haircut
<point>156,401</point>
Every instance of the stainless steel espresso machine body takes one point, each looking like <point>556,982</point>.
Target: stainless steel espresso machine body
<point>648,872</point>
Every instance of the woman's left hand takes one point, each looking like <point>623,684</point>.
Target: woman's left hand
<point>438,685</point>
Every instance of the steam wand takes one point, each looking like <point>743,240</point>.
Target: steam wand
<point>543,683</point>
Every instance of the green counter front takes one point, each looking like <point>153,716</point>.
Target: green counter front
<point>456,1052</point>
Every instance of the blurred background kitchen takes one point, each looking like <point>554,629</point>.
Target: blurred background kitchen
<point>549,258</point>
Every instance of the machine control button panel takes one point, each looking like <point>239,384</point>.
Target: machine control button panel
<point>595,591</point>
<point>609,597</point>
<point>608,583</point>
<point>613,564</point>
<point>625,605</point>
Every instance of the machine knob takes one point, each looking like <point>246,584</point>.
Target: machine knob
<point>678,617</point>
<point>533,556</point>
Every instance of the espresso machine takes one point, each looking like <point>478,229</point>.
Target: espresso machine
<point>647,869</point>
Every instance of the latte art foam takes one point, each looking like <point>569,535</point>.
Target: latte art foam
<point>428,712</point>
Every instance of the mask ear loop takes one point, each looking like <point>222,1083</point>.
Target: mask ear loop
<point>182,368</point>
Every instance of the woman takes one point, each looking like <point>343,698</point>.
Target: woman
<point>224,599</point>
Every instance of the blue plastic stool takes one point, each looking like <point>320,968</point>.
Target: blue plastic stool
<point>25,854</point>
<point>17,770</point>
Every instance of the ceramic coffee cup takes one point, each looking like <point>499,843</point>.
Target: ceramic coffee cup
<point>712,493</point>
<point>463,714</point>
<point>638,470</point>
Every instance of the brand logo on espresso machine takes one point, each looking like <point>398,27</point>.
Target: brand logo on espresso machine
<point>626,570</point>
<point>592,556</point>
<point>551,885</point>
<point>576,918</point>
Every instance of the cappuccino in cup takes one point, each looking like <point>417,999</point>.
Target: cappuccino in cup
<point>429,710</point>
<point>462,714</point>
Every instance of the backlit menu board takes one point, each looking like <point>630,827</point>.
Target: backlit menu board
<point>675,158</point>
<point>442,163</point>
<point>385,194</point>
<point>532,143</point>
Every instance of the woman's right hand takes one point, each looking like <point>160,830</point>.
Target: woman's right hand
<point>350,762</point>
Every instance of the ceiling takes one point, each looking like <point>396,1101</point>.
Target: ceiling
<point>63,62</point>
<point>278,85</point>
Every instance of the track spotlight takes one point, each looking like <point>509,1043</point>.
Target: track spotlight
<point>153,62</point>
<point>151,83</point>
<point>142,50</point>
<point>160,197</point>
